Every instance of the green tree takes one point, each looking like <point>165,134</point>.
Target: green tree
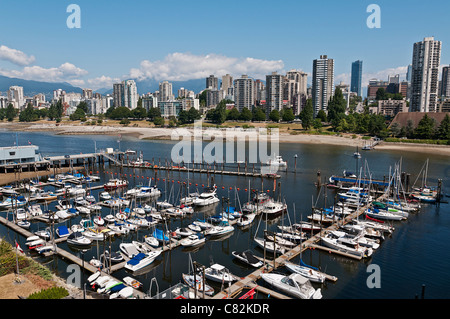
<point>29,114</point>
<point>377,124</point>
<point>409,129</point>
<point>2,114</point>
<point>153,113</point>
<point>258,115</point>
<point>322,115</point>
<point>317,124</point>
<point>78,115</point>
<point>159,121</point>
<point>10,112</point>
<point>288,115</point>
<point>120,112</point>
<point>381,94</point>
<point>395,129</point>
<point>274,115</point>
<point>194,115</point>
<point>426,127</point>
<point>246,115</point>
<point>443,131</point>
<point>183,117</point>
<point>83,105</point>
<point>233,114</point>
<point>139,113</point>
<point>336,108</point>
<point>307,115</point>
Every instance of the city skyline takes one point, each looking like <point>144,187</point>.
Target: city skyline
<point>186,49</point>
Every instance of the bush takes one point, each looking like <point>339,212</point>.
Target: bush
<point>50,293</point>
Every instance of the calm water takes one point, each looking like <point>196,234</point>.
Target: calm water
<point>415,254</point>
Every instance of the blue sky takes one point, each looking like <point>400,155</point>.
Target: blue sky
<point>175,39</point>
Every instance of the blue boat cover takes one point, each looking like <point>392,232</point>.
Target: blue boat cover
<point>63,230</point>
<point>117,288</point>
<point>136,259</point>
<point>305,265</point>
<point>72,210</point>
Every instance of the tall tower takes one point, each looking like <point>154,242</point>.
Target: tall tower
<point>322,83</point>
<point>425,75</point>
<point>356,80</point>
<point>244,93</point>
<point>274,92</point>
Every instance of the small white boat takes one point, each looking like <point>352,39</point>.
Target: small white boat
<point>24,223</point>
<point>308,272</point>
<point>34,210</point>
<point>277,161</point>
<point>183,232</point>
<point>152,241</point>
<point>194,228</point>
<point>193,240</point>
<point>119,228</point>
<point>105,196</point>
<point>222,229</point>
<point>132,282</point>
<point>295,285</point>
<point>62,231</point>
<point>207,198</point>
<point>141,260</point>
<point>78,239</point>
<point>45,249</point>
<point>219,273</point>
<point>98,220</point>
<point>128,249</point>
<point>246,219</point>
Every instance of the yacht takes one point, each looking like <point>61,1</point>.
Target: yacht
<point>276,160</point>
<point>295,285</point>
<point>142,260</point>
<point>115,183</point>
<point>207,198</point>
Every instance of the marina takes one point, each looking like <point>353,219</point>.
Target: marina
<point>173,185</point>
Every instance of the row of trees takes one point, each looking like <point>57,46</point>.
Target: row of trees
<point>427,128</point>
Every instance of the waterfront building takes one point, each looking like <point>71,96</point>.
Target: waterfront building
<point>125,94</point>
<point>15,96</point>
<point>445,82</point>
<point>274,92</point>
<point>212,83</point>
<point>165,91</point>
<point>424,76</point>
<point>19,154</point>
<point>389,107</point>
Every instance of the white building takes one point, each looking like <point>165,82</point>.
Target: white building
<point>322,83</point>
<point>125,94</point>
<point>244,93</point>
<point>165,91</point>
<point>15,96</point>
<point>149,101</point>
<point>425,75</point>
<point>274,92</point>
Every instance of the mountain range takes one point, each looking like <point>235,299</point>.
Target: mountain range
<point>31,88</point>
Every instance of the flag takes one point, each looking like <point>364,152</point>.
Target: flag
<point>18,247</point>
<point>29,143</point>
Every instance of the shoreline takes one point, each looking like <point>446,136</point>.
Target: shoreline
<point>149,133</point>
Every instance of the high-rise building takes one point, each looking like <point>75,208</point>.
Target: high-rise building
<point>244,93</point>
<point>295,90</point>
<point>227,82</point>
<point>356,81</point>
<point>88,93</point>
<point>322,83</point>
<point>408,73</point>
<point>445,82</point>
<point>165,92</point>
<point>425,75</point>
<point>274,92</point>
<point>125,94</point>
<point>212,82</point>
<point>15,96</point>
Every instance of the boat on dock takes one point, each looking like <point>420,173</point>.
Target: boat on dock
<point>142,260</point>
<point>248,258</point>
<point>219,273</point>
<point>294,285</point>
<point>309,272</point>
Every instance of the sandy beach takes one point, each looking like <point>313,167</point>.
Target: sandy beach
<point>150,133</point>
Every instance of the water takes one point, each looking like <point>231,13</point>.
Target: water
<point>414,255</point>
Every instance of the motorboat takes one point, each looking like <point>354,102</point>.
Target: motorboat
<point>78,239</point>
<point>183,232</point>
<point>276,161</point>
<point>309,272</point>
<point>105,196</point>
<point>206,198</point>
<point>115,256</point>
<point>10,202</point>
<point>273,208</point>
<point>62,231</point>
<point>193,240</point>
<point>34,210</point>
<point>223,228</point>
<point>141,260</point>
<point>349,247</point>
<point>246,219</point>
<point>248,257</point>
<point>96,234</point>
<point>118,228</point>
<point>136,284</point>
<point>152,241</point>
<point>44,233</point>
<point>294,285</point>
<point>98,220</point>
<point>115,183</point>
<point>109,218</point>
<point>195,228</point>
<point>198,284</point>
<point>45,249</point>
<point>129,249</point>
<point>77,190</point>
<point>219,273</point>
<point>24,223</point>
<point>203,224</point>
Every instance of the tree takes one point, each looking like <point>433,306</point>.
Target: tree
<point>153,113</point>
<point>307,115</point>
<point>83,105</point>
<point>321,115</point>
<point>409,129</point>
<point>139,113</point>
<point>443,131</point>
<point>258,115</point>
<point>183,117</point>
<point>78,115</point>
<point>194,115</point>
<point>381,94</point>
<point>28,115</point>
<point>202,98</point>
<point>426,127</point>
<point>233,114</point>
<point>317,123</point>
<point>377,124</point>
<point>120,112</point>
<point>288,115</point>
<point>395,129</point>
<point>159,121</point>
<point>336,108</point>
<point>274,115</point>
<point>10,113</point>
<point>246,115</point>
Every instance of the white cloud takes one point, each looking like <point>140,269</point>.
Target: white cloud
<point>15,56</point>
<point>102,82</point>
<point>65,72</point>
<point>185,66</point>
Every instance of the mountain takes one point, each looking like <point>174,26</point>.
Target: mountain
<point>31,88</point>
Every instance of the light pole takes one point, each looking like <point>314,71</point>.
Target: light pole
<point>295,165</point>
